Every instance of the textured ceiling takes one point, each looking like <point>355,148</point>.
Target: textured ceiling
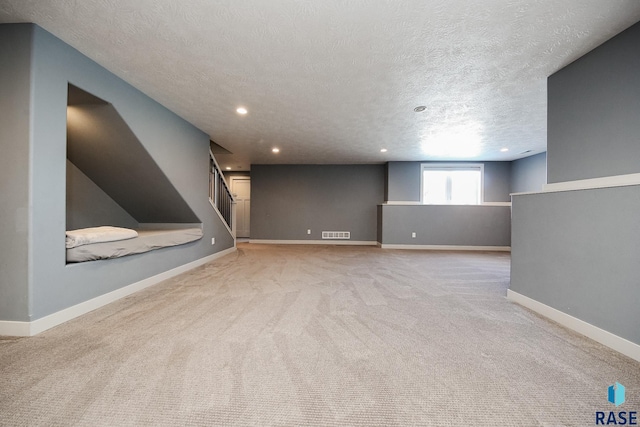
<point>334,81</point>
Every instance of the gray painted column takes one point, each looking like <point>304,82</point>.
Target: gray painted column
<point>15,92</point>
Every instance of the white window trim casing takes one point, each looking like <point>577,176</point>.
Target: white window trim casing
<point>452,166</point>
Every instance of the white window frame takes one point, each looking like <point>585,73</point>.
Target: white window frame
<point>448,167</point>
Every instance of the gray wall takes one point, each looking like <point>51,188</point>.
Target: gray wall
<point>403,181</point>
<point>594,112</point>
<point>529,173</point>
<point>497,181</point>
<point>15,65</point>
<point>89,206</point>
<point>179,149</point>
<point>286,200</point>
<point>577,251</point>
<point>446,225</point>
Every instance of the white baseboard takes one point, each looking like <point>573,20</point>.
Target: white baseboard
<point>608,339</point>
<point>11,328</point>
<point>14,329</point>
<point>588,184</point>
<point>314,242</point>
<point>416,203</point>
<point>446,247</point>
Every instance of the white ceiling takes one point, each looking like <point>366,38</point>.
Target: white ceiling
<point>334,81</point>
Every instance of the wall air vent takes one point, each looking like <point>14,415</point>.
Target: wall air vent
<point>336,234</point>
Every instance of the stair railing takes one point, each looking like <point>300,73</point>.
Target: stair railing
<point>220,195</point>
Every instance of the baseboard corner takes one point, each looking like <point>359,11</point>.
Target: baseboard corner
<point>606,338</point>
<point>11,328</point>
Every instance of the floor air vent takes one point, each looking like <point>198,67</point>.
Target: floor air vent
<point>336,234</point>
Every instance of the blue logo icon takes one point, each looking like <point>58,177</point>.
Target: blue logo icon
<point>616,394</point>
<point>616,397</point>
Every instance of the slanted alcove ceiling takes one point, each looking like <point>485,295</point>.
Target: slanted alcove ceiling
<point>104,148</point>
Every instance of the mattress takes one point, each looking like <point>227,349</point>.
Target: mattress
<point>146,241</point>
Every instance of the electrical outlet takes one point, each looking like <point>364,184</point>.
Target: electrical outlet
<point>309,231</point>
<point>413,235</point>
<point>213,240</point>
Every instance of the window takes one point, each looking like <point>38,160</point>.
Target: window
<point>452,184</point>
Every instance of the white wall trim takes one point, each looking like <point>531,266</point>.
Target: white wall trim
<point>409,203</point>
<point>12,328</point>
<point>447,247</point>
<point>495,204</point>
<point>315,242</point>
<point>589,184</point>
<point>402,203</point>
<point>606,338</point>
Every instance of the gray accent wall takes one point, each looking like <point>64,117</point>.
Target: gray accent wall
<point>594,112</point>
<point>177,147</point>
<point>497,181</point>
<point>444,225</point>
<point>529,174</point>
<point>577,251</point>
<point>403,181</point>
<point>89,206</point>
<point>286,200</point>
<point>15,66</point>
<point>456,225</point>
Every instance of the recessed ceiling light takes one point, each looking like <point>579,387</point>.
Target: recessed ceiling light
<point>383,150</point>
<point>504,150</point>
<point>419,108</point>
<point>241,110</point>
<point>228,168</point>
<point>275,150</point>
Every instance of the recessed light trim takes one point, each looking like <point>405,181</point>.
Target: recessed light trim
<point>504,150</point>
<point>241,110</point>
<point>420,108</point>
<point>275,150</point>
<point>383,150</point>
<point>228,168</point>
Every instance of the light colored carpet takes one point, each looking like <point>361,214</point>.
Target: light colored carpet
<point>311,335</point>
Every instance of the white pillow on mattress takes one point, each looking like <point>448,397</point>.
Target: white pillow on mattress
<point>85,236</point>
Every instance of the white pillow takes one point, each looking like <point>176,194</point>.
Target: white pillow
<point>85,236</point>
